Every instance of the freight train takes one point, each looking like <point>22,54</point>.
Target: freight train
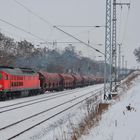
<point>19,82</point>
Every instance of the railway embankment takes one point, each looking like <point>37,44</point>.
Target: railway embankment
<point>94,112</point>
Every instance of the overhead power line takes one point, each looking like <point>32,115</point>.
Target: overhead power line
<point>21,29</point>
<point>49,23</point>
<point>79,40</point>
<point>80,26</point>
<point>33,13</point>
<point>68,42</point>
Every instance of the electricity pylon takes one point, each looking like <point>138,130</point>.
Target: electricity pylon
<point>114,46</point>
<point>107,68</point>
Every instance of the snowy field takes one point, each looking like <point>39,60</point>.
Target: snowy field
<point>44,131</point>
<point>118,123</point>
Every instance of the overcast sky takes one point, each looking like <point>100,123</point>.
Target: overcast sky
<point>72,12</point>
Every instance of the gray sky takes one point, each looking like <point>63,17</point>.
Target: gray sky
<point>72,12</point>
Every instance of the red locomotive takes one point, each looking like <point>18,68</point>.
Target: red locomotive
<point>17,82</point>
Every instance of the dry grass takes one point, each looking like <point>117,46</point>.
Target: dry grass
<point>92,117</point>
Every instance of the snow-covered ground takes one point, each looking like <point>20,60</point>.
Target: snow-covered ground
<point>15,115</point>
<point>118,123</point>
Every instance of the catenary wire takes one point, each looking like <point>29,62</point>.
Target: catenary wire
<point>50,24</point>
<point>33,13</point>
<point>21,29</point>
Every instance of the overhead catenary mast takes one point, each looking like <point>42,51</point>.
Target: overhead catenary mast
<point>107,68</point>
<point>114,45</point>
<point>119,61</point>
<point>122,64</point>
<point>110,77</point>
<point>125,67</point>
<point>114,50</point>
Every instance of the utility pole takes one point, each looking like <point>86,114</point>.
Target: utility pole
<point>122,64</point>
<point>107,68</point>
<point>114,46</point>
<point>110,51</point>
<point>114,50</point>
<point>126,67</point>
<point>119,60</point>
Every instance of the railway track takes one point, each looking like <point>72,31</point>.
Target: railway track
<point>36,101</point>
<point>37,98</point>
<point>44,115</point>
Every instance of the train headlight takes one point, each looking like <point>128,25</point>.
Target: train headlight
<point>0,86</point>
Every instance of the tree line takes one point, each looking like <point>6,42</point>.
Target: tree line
<point>25,54</point>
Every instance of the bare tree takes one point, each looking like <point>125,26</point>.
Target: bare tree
<point>137,54</point>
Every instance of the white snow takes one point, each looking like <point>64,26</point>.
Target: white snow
<point>118,123</point>
<point>20,113</point>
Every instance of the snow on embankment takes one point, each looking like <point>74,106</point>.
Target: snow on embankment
<point>119,123</point>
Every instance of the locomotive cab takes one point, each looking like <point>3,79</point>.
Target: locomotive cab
<point>18,82</point>
<point>4,83</point>
<point>1,81</point>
